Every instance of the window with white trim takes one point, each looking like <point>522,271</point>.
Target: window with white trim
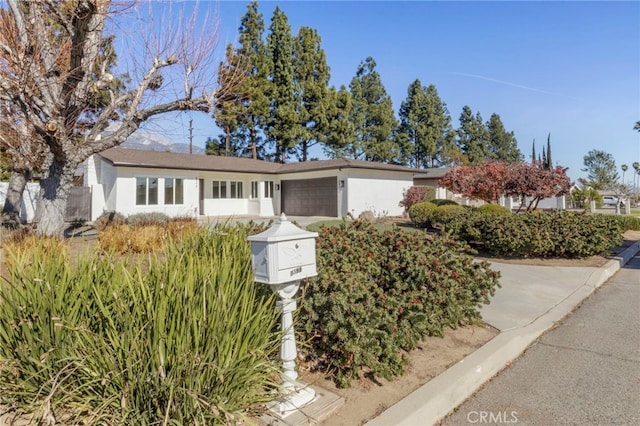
<point>255,192</point>
<point>173,191</point>
<point>146,191</point>
<point>219,189</point>
<point>235,189</point>
<point>268,189</point>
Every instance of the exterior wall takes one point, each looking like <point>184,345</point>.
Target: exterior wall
<point>359,190</point>
<point>120,191</point>
<point>29,200</point>
<point>379,192</point>
<point>93,178</point>
<point>261,206</point>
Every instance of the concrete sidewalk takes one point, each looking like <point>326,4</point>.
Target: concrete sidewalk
<point>532,299</point>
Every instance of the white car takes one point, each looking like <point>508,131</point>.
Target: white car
<point>610,200</point>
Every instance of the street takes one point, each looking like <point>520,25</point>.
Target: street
<point>585,371</point>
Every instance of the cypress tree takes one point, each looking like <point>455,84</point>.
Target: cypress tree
<point>533,151</point>
<point>549,161</point>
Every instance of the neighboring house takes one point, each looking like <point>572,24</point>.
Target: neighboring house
<point>29,198</point>
<point>430,178</point>
<point>132,181</point>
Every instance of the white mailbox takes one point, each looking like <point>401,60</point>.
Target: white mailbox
<point>283,253</point>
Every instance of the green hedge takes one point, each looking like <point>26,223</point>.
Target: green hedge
<point>627,223</point>
<point>378,293</point>
<point>537,234</point>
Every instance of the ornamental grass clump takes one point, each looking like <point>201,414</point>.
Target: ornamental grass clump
<point>377,294</point>
<point>180,337</point>
<point>144,237</point>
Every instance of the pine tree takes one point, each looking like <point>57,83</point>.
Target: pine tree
<point>311,90</point>
<point>283,129</point>
<point>503,145</point>
<point>473,137</point>
<point>601,169</point>
<point>252,53</point>
<point>372,115</point>
<point>228,107</point>
<point>424,124</point>
<point>341,130</point>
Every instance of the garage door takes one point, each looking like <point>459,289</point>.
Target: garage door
<point>310,197</point>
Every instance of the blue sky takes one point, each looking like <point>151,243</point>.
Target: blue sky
<point>570,68</point>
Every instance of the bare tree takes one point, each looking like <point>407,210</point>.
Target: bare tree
<point>56,74</point>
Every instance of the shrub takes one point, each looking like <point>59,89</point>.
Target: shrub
<point>421,214</point>
<point>627,223</point>
<point>185,338</point>
<point>378,293</point>
<point>444,202</point>
<point>493,209</point>
<point>450,218</point>
<point>367,216</point>
<point>109,219</point>
<point>152,218</point>
<point>558,234</point>
<point>416,194</point>
<point>145,237</point>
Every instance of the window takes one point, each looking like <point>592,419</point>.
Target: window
<point>254,189</point>
<point>268,189</point>
<point>173,191</point>
<point>146,191</point>
<point>236,190</point>
<point>219,189</point>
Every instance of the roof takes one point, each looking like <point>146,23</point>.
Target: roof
<point>121,157</point>
<point>435,173</point>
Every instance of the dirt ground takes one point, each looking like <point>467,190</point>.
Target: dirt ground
<point>367,398</point>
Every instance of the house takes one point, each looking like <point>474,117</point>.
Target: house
<point>431,177</point>
<point>132,181</point>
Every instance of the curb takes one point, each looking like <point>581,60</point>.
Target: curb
<point>440,396</point>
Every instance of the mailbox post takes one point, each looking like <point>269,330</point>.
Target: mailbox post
<point>281,256</point>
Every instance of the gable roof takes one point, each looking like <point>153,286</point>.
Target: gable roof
<point>121,157</point>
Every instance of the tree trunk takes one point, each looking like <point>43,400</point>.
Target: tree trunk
<point>52,200</point>
<point>254,144</point>
<point>227,145</point>
<point>11,210</point>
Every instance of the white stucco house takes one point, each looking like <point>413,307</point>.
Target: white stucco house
<point>132,181</point>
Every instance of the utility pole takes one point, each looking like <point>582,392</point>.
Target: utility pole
<point>191,136</point>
